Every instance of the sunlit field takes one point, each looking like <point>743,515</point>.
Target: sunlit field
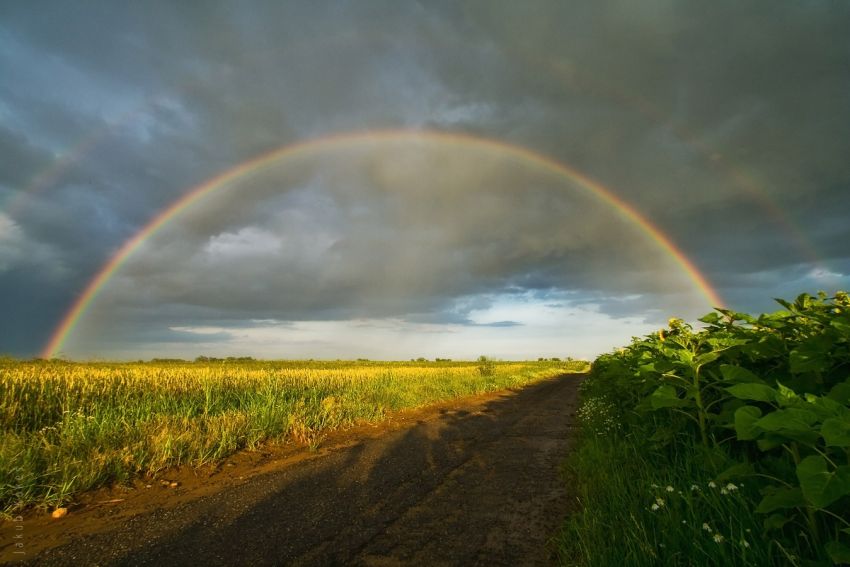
<point>68,427</point>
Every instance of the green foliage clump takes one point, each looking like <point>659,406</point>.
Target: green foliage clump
<point>748,423</point>
<point>486,367</point>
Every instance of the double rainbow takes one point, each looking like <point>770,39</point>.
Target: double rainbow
<point>304,149</point>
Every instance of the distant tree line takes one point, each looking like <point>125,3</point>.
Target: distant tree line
<point>228,359</point>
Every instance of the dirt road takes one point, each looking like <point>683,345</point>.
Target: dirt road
<point>471,482</point>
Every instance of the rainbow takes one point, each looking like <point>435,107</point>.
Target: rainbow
<point>344,140</point>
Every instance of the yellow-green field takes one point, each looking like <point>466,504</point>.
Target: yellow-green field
<point>68,427</point>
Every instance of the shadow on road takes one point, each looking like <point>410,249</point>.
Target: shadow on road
<point>470,486</point>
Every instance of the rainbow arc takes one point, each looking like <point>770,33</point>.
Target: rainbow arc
<point>316,146</point>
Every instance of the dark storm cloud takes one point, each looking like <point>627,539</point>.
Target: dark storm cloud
<point>724,123</point>
<point>683,107</point>
<point>19,157</point>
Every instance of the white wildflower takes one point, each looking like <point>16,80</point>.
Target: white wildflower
<point>718,538</point>
<point>712,484</point>
<point>706,527</point>
<point>669,488</point>
<point>694,487</point>
<point>655,507</point>
<point>659,502</point>
<point>731,487</point>
<point>745,543</point>
<point>724,491</point>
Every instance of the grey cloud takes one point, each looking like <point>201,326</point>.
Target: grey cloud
<point>500,324</point>
<point>386,234</point>
<point>713,120</point>
<point>19,157</point>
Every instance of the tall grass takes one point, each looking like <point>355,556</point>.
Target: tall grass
<point>68,427</point>
<point>637,506</point>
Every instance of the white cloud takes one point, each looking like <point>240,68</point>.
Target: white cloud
<point>546,330</point>
<point>824,274</point>
<point>248,241</point>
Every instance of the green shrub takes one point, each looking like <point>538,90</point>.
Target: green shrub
<point>762,401</point>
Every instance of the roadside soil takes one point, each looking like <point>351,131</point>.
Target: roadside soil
<point>474,481</point>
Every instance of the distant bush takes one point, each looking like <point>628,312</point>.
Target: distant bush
<point>486,366</point>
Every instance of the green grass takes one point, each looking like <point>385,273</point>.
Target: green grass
<point>69,427</point>
<point>639,507</point>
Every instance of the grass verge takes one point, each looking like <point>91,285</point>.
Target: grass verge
<point>637,506</point>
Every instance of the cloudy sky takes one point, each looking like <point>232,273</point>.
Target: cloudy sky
<point>431,212</point>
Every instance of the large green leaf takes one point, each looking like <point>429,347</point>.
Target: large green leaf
<point>691,392</point>
<point>775,522</point>
<point>770,441</point>
<point>813,355</point>
<point>780,315</point>
<point>712,318</point>
<point>781,499</point>
<point>836,432</point>
<point>792,423</point>
<point>838,552</point>
<point>842,324</point>
<point>724,343</point>
<point>666,396</point>
<point>758,392</point>
<point>647,368</point>
<point>789,419</point>
<point>707,357</point>
<point>680,354</point>
<point>826,407</point>
<point>841,393</point>
<point>739,375</point>
<point>745,420</point>
<point>767,346</point>
<point>822,486</point>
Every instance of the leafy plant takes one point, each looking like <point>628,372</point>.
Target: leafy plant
<point>486,367</point>
<point>764,399</point>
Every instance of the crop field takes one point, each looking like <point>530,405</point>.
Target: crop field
<point>727,446</point>
<point>68,427</point>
